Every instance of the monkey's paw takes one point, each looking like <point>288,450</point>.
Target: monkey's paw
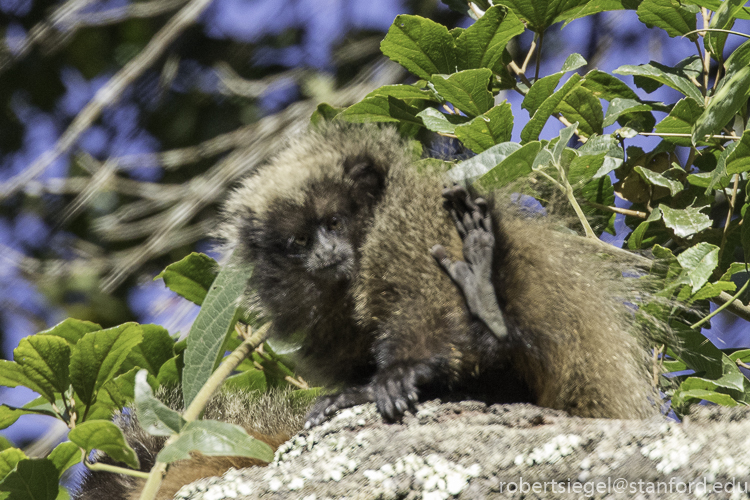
<point>473,277</point>
<point>328,405</point>
<point>395,389</point>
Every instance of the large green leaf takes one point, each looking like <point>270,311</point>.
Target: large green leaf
<point>9,458</point>
<point>482,44</point>
<point>404,92</point>
<point>71,330</point>
<point>45,360</point>
<point>738,159</point>
<point>607,87</point>
<point>544,87</point>
<point>105,436</point>
<point>212,326</point>
<point>440,122</point>
<point>381,109</point>
<point>65,455</point>
<point>99,355</point>
<point>707,360</point>
<point>677,78</point>
<point>421,46</point>
<point>516,165</point>
<point>534,127</point>
<point>155,417</point>
<point>483,132</point>
<point>728,100</point>
<point>619,106</point>
<point>467,90</point>
<point>715,5</point>
<point>477,166</point>
<point>33,479</point>
<point>13,375</point>
<point>670,16</point>
<point>685,222</point>
<point>723,19</point>
<point>699,262</point>
<point>213,438</point>
<point>153,351</point>
<point>541,14</point>
<point>680,121</point>
<point>190,277</point>
<point>581,106</point>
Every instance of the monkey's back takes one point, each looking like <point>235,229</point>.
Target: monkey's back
<point>572,338</point>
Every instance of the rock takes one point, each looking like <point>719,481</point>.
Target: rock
<point>468,450</point>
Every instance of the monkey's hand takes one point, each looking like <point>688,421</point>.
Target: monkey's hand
<point>473,277</point>
<point>395,388</point>
<point>328,405</point>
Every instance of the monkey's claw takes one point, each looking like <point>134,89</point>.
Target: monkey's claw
<point>328,405</point>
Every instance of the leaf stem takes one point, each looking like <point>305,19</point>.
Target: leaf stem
<point>539,56</point>
<point>529,54</point>
<point>722,307</point>
<point>730,212</point>
<point>193,411</point>
<point>117,470</point>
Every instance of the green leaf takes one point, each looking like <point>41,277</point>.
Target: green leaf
<point>45,360</point>
<point>670,16</point>
<point>404,92</point>
<point>65,455</point>
<point>707,360</point>
<point>190,277</point>
<point>324,113</point>
<point>581,106</point>
<point>249,380</point>
<point>105,436</point>
<point>715,5</point>
<point>71,330</point>
<point>541,14</point>
<point>711,290</point>
<point>491,128</point>
<point>724,104</point>
<point>155,417</point>
<point>9,459</point>
<point>738,159</point>
<point>742,355</point>
<point>98,356</point>
<point>619,107</point>
<point>657,179</point>
<point>684,395</point>
<point>482,44</point>
<point>544,87</point>
<point>664,75</point>
<point>607,87</point>
<point>699,262</point>
<point>534,127</point>
<point>421,46</point>
<point>719,176</point>
<point>170,372</point>
<point>214,438</point>
<point>722,19</point>
<point>516,165</point>
<point>739,59</point>
<point>440,122</point>
<point>685,222</point>
<point>33,479</point>
<point>381,109</point>
<point>466,90</point>
<point>13,375</point>
<point>477,166</point>
<point>212,326</point>
<point>680,121</point>
<point>154,350</point>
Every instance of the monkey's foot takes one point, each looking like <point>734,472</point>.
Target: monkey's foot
<point>328,405</point>
<point>395,389</point>
<point>473,277</point>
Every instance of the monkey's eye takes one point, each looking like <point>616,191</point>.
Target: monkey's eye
<point>334,224</point>
<point>301,241</point>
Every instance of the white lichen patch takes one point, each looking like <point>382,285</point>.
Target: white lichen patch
<point>552,451</point>
<point>673,451</point>
<point>439,478</point>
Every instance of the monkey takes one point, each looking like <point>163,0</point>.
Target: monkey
<point>273,418</point>
<point>354,260</point>
<point>340,227</point>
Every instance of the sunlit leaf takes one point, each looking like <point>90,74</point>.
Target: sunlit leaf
<point>484,131</point>
<point>214,438</point>
<point>190,277</point>
<point>105,436</point>
<point>420,45</point>
<point>466,90</point>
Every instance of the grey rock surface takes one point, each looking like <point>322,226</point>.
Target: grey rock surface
<point>468,450</point>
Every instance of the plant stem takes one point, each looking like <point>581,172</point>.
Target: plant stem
<point>722,307</point>
<point>118,470</point>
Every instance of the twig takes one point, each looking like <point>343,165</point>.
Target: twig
<point>618,210</point>
<point>109,94</point>
<point>676,134</point>
<point>729,301</point>
<point>529,54</point>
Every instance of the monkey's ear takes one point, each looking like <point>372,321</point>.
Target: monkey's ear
<point>368,178</point>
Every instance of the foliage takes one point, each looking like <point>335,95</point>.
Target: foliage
<point>460,71</point>
<point>84,373</point>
